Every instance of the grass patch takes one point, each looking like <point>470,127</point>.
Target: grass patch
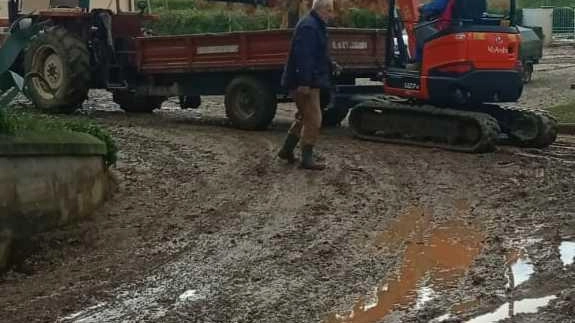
<point>565,113</point>
<point>17,123</point>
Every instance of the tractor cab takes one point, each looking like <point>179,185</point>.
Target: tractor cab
<point>471,58</point>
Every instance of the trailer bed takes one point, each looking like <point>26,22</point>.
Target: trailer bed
<point>359,51</point>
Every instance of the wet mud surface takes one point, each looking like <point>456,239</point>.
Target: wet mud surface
<point>207,226</point>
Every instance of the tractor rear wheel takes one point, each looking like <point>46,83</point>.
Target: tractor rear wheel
<point>57,68</point>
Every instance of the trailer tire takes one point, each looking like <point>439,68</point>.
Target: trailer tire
<point>57,66</point>
<point>332,115</point>
<point>190,102</point>
<point>250,103</point>
<point>138,103</point>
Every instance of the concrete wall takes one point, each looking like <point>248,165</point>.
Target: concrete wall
<point>48,190</point>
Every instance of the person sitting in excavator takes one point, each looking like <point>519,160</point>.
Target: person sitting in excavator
<point>436,9</point>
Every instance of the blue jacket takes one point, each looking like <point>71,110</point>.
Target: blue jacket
<point>434,8</point>
<point>309,62</point>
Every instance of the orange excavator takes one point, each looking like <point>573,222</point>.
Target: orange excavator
<point>467,69</point>
<point>452,99</point>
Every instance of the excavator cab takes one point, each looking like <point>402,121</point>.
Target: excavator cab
<point>472,59</point>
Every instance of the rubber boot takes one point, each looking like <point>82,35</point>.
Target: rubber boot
<point>307,160</point>
<point>286,152</point>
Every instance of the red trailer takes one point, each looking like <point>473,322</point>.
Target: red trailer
<point>80,50</point>
<point>246,67</point>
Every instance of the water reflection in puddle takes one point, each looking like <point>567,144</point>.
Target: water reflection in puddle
<point>439,256</point>
<point>567,251</point>
<point>508,310</point>
<point>424,295</point>
<point>519,271</point>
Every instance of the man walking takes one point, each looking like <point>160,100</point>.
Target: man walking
<point>308,70</point>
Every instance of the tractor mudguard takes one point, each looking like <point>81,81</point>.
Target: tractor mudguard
<point>17,41</point>
<point>10,82</point>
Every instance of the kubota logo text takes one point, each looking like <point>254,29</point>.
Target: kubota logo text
<point>497,50</point>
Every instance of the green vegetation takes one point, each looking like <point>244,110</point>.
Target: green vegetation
<point>194,21</point>
<point>179,17</point>
<point>16,123</point>
<point>565,113</point>
<point>361,18</point>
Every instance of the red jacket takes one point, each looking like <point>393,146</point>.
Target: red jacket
<point>446,15</point>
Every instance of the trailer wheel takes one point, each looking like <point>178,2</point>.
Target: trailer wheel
<point>250,103</point>
<point>527,72</point>
<point>332,115</point>
<point>138,104</point>
<point>190,102</point>
<point>57,64</point>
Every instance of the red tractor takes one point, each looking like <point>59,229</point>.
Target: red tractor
<point>76,48</point>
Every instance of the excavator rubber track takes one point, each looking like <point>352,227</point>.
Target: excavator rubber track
<point>424,125</point>
<point>523,127</point>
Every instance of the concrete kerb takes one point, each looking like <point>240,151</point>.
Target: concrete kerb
<point>48,180</point>
<point>51,144</point>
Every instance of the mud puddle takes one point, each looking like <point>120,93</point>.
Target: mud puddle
<point>505,311</point>
<point>519,270</point>
<point>435,259</point>
<point>510,309</point>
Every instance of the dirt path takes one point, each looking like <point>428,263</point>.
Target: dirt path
<point>552,79</point>
<point>207,226</point>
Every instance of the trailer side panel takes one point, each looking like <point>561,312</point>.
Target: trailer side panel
<point>355,49</point>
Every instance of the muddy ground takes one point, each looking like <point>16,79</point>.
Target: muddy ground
<point>207,226</point>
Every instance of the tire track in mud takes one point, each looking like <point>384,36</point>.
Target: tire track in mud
<point>259,167</point>
<point>229,233</point>
<point>152,165</point>
<point>495,233</point>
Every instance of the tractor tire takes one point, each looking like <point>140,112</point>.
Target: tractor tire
<point>137,104</point>
<point>250,103</point>
<point>57,69</point>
